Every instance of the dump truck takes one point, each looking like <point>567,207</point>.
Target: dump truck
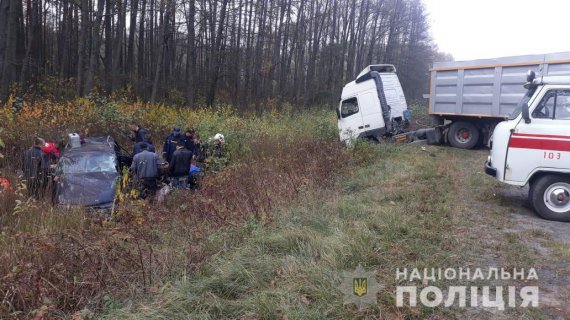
<point>469,98</point>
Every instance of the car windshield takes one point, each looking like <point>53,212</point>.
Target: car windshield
<point>524,102</point>
<point>86,163</point>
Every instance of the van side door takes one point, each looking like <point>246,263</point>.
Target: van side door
<point>544,143</point>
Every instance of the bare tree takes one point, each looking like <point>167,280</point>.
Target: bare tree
<point>95,51</point>
<point>243,52</point>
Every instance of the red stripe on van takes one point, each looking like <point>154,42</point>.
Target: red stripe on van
<point>539,136</point>
<point>540,144</point>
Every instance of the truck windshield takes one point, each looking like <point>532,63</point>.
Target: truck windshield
<point>524,102</point>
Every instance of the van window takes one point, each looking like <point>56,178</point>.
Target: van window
<point>554,105</point>
<point>562,110</point>
<point>349,107</point>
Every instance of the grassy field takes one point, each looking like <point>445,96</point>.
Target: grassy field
<point>409,207</point>
<point>54,262</point>
<point>270,236</point>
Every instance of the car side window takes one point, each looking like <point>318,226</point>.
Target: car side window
<point>349,107</point>
<point>554,105</point>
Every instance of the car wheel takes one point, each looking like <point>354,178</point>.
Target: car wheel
<point>550,197</point>
<point>463,135</point>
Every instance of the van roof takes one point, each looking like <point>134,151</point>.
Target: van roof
<point>553,80</point>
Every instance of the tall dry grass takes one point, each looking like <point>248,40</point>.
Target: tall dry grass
<point>55,262</point>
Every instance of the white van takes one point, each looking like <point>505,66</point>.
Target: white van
<point>533,147</point>
<point>373,105</point>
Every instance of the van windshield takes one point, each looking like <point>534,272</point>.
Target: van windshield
<point>524,102</point>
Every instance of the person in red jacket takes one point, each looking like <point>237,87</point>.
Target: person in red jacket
<point>51,149</point>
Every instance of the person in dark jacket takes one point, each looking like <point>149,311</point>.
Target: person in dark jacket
<point>139,133</point>
<point>199,150</point>
<point>189,140</point>
<point>170,144</point>
<point>138,147</point>
<point>180,166</point>
<point>146,167</point>
<point>35,166</point>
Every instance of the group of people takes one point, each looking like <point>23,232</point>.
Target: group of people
<point>186,157</point>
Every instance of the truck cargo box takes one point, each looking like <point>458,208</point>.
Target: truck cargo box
<point>488,88</point>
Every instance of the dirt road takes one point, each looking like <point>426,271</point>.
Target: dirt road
<point>508,233</point>
<point>551,241</point>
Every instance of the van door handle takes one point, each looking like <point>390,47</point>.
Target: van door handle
<point>367,126</point>
<point>361,127</point>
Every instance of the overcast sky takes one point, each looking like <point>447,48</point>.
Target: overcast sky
<point>477,29</point>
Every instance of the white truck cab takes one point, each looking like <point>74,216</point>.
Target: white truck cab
<point>533,146</point>
<point>373,105</point>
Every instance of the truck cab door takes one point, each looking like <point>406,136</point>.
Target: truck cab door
<point>545,141</point>
<point>350,120</point>
<point>371,112</point>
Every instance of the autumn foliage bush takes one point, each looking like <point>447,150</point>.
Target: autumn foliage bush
<point>56,263</point>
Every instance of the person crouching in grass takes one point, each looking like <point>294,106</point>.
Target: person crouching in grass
<point>194,175</point>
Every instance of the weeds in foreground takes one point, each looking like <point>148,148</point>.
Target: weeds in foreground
<point>390,214</point>
<point>399,211</point>
<point>56,262</point>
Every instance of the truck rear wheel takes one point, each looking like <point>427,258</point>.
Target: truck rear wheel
<point>550,197</point>
<point>463,135</point>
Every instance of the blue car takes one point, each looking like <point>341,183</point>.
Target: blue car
<point>87,175</point>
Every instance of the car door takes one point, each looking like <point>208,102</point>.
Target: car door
<point>545,141</point>
<point>350,119</point>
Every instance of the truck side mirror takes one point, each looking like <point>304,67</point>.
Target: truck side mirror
<point>525,113</point>
<point>337,113</point>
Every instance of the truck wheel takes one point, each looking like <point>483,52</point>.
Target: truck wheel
<point>550,197</point>
<point>463,135</point>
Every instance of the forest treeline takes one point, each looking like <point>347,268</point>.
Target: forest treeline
<point>244,52</point>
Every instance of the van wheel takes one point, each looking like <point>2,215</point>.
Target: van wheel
<point>550,197</point>
<point>463,135</point>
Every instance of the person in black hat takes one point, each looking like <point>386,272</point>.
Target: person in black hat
<point>138,146</point>
<point>170,144</point>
